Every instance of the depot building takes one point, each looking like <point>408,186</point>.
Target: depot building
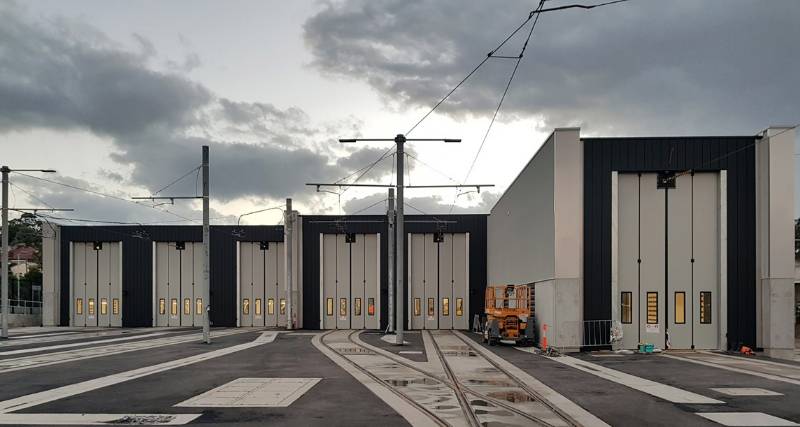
<point>682,242</point>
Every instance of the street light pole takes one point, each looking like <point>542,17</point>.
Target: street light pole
<point>400,240</point>
<point>390,245</point>
<point>4,293</point>
<point>206,251</point>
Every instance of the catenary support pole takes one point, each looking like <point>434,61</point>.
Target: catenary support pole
<point>390,250</point>
<point>289,242</point>
<point>400,140</point>
<point>206,251</point>
<point>4,334</point>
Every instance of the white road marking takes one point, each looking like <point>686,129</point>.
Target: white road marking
<point>19,337</point>
<point>743,366</point>
<point>746,391</point>
<point>745,419</point>
<point>254,392</point>
<point>663,391</point>
<point>78,344</point>
<point>571,409</point>
<point>413,415</point>
<point>98,419</point>
<point>410,352</point>
<point>47,359</point>
<point>39,398</point>
<point>14,341</point>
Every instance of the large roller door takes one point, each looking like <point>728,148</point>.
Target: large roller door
<point>349,281</point>
<point>96,284</point>
<point>178,296</point>
<point>668,259</point>
<point>438,280</point>
<point>262,293</point>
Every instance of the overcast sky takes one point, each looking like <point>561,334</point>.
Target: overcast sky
<point>119,96</point>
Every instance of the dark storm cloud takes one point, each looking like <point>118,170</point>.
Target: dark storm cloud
<point>63,75</point>
<point>641,67</point>
<point>57,77</point>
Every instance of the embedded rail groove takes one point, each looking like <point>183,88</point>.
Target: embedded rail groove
<point>449,383</point>
<point>522,385</point>
<point>435,418</point>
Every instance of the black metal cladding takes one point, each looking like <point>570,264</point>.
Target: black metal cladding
<point>734,154</point>
<point>475,225</point>
<point>137,264</point>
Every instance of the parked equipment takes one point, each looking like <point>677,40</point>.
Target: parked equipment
<point>509,316</point>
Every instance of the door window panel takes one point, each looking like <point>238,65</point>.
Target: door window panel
<point>328,306</point>
<point>115,306</point>
<point>283,306</point>
<point>246,306</point>
<point>258,306</point>
<point>705,307</point>
<point>357,307</point>
<point>173,306</point>
<point>417,307</point>
<point>431,307</point>
<point>162,306</point>
<point>187,306</point>
<point>79,306</point>
<point>652,308</point>
<point>680,307</point>
<point>626,305</point>
<point>371,306</point>
<point>445,306</point>
<point>103,306</point>
<point>198,306</point>
<point>459,306</point>
<point>91,306</point>
<point>343,307</point>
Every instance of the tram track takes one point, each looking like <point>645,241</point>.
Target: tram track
<point>519,383</point>
<point>435,418</point>
<point>451,381</point>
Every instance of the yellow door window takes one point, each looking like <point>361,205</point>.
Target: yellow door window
<point>173,307</point>
<point>162,306</point>
<point>103,306</point>
<point>246,306</point>
<point>258,306</point>
<point>459,306</point>
<point>198,306</point>
<point>79,306</point>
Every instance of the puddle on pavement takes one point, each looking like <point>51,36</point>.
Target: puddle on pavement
<point>406,382</point>
<point>511,396</point>
<point>500,382</point>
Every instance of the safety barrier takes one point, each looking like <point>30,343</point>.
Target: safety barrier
<point>22,306</point>
<point>596,333</point>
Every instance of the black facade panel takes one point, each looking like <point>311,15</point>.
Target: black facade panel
<point>313,226</point>
<point>137,264</point>
<point>734,154</point>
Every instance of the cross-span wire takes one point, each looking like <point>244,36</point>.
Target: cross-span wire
<point>98,193</point>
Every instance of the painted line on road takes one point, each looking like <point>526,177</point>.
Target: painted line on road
<point>54,358</point>
<point>52,334</point>
<point>746,419</point>
<point>39,398</point>
<point>720,364</point>
<point>662,391</point>
<point>98,419</point>
<point>79,344</point>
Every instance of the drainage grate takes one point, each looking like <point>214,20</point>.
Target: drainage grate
<point>354,350</point>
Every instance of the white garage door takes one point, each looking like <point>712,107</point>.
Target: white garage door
<point>178,274</point>
<point>350,281</point>
<point>438,278</point>
<point>669,260</point>
<point>262,284</point>
<point>96,284</point>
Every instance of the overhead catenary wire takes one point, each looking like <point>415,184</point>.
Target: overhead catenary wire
<point>197,168</point>
<point>101,194</point>
<point>499,104</point>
